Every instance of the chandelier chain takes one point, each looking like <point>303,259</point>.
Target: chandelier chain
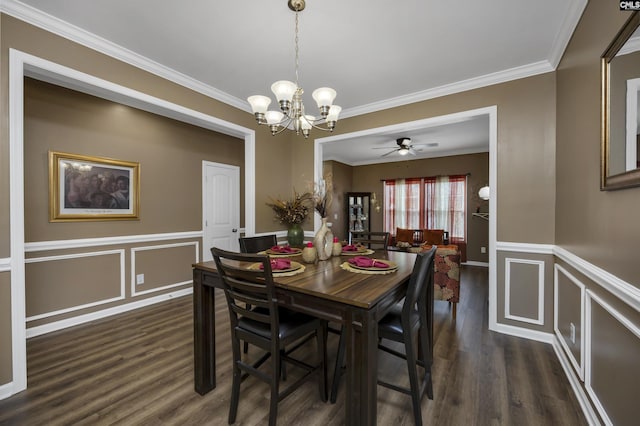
<point>296,44</point>
<point>289,96</point>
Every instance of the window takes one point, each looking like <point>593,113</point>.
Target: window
<point>427,203</point>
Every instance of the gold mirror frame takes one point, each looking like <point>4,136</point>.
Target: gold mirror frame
<point>630,178</point>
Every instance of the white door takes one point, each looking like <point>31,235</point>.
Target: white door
<point>221,207</point>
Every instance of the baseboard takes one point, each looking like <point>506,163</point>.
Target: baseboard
<point>475,263</point>
<point>6,390</point>
<point>539,336</point>
<point>574,381</point>
<point>82,319</point>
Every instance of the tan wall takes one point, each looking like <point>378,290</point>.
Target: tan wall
<point>342,175</point>
<point>368,179</point>
<point>612,341</point>
<point>525,157</point>
<point>170,154</point>
<point>600,227</point>
<point>29,39</point>
<point>5,328</point>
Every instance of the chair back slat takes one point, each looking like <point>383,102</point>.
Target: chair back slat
<point>247,289</point>
<point>372,240</point>
<point>257,244</point>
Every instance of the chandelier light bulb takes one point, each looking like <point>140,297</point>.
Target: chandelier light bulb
<point>305,122</point>
<point>324,96</point>
<point>334,111</point>
<point>259,104</point>
<point>284,90</point>
<point>274,117</point>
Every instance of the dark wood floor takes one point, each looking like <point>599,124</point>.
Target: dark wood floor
<point>137,368</point>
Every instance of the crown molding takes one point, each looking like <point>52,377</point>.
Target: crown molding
<point>449,89</point>
<point>71,32</point>
<point>576,8</point>
<point>63,29</point>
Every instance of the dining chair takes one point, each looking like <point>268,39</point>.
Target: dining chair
<point>257,244</point>
<point>267,326</point>
<point>406,321</point>
<point>372,240</point>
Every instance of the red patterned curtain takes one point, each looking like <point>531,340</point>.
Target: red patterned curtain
<point>427,203</point>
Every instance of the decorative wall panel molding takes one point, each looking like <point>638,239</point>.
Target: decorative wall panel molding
<point>592,298</point>
<point>5,264</point>
<point>578,366</point>
<point>121,296</point>
<point>109,241</point>
<point>134,250</point>
<point>539,320</point>
<point>619,288</point>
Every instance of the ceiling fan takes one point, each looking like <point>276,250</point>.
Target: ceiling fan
<point>406,147</point>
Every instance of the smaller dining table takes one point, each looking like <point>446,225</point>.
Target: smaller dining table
<point>355,299</point>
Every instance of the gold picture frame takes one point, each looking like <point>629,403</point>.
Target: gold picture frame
<point>87,188</point>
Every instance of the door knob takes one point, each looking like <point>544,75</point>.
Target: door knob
<point>234,230</point>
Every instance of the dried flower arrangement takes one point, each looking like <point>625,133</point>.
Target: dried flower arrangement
<point>323,195</point>
<point>294,211</point>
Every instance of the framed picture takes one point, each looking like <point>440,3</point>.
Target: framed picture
<point>84,188</point>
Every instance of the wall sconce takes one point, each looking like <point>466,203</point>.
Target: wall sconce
<point>374,203</point>
<point>484,193</point>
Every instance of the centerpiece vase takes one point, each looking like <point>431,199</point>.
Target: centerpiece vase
<point>295,235</point>
<point>323,241</point>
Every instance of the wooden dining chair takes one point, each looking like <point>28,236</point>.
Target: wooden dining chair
<point>257,244</point>
<point>413,318</point>
<point>372,240</point>
<point>267,326</point>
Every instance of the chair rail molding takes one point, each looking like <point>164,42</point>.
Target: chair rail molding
<point>614,285</point>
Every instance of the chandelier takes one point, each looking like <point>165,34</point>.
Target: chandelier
<point>289,95</point>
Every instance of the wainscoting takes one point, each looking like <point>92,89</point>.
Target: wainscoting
<point>590,317</point>
<point>71,282</point>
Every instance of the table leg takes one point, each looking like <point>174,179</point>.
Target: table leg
<point>204,337</point>
<point>362,365</point>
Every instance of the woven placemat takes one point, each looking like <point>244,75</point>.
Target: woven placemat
<point>347,267</point>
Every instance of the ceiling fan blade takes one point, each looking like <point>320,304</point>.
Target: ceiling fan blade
<point>383,147</point>
<point>411,152</point>
<point>388,153</point>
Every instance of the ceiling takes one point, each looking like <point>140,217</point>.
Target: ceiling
<point>377,54</point>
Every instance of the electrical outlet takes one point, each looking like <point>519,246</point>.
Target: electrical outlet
<point>483,250</point>
<point>572,332</point>
<point>335,216</point>
<point>140,279</point>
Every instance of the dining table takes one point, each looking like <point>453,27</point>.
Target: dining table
<point>331,290</point>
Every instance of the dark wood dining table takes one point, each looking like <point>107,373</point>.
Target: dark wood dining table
<point>355,300</point>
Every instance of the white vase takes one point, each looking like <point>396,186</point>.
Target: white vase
<point>323,241</point>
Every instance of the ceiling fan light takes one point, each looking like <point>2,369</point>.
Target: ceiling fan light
<point>284,90</point>
<point>403,151</point>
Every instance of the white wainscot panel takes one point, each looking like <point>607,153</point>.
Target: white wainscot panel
<point>578,366</point>
<point>121,296</point>
<point>509,262</point>
<point>134,291</point>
